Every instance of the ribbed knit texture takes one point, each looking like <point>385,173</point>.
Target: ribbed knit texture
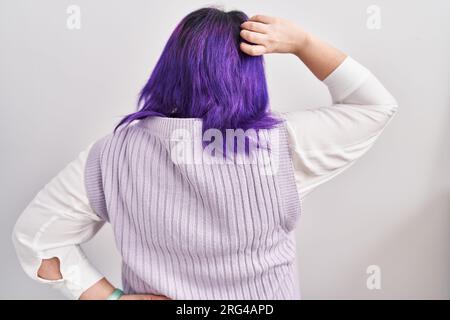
<point>195,231</point>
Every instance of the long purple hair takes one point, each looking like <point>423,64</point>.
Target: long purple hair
<point>202,73</point>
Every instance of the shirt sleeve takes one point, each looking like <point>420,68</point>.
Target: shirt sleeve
<point>54,224</point>
<point>327,140</point>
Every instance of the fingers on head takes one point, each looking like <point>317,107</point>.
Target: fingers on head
<point>262,18</point>
<point>255,31</point>
<point>253,37</point>
<point>255,26</point>
<point>252,50</point>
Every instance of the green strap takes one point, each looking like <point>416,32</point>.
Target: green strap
<point>117,293</point>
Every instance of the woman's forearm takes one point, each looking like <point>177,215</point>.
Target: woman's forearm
<point>320,57</point>
<point>50,270</point>
<point>99,291</point>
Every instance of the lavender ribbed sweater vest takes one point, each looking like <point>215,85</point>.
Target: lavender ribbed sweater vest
<point>195,231</point>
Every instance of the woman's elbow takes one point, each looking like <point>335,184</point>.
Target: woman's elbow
<point>393,108</point>
<point>391,103</point>
<point>19,239</point>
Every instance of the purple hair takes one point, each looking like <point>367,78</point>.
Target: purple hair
<point>202,73</point>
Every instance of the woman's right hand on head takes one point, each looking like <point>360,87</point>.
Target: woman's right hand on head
<point>272,35</point>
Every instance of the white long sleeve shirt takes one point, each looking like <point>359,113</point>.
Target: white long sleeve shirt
<point>324,142</point>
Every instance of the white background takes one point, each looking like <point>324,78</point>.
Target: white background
<point>61,89</point>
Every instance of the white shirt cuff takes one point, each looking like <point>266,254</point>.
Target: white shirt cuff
<point>345,79</point>
<point>78,274</point>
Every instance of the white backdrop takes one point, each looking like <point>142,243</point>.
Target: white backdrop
<point>61,89</point>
